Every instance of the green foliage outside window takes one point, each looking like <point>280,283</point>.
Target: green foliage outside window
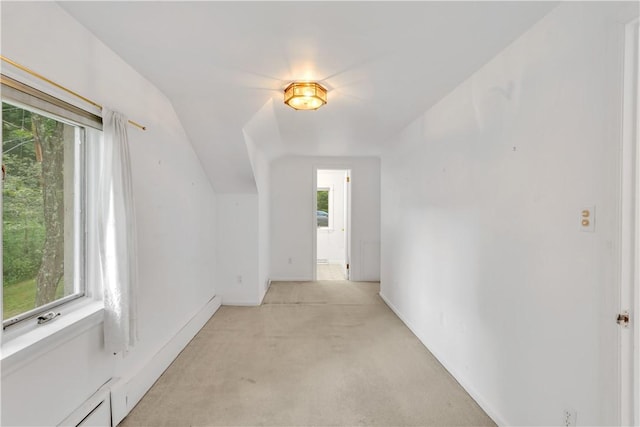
<point>23,222</point>
<point>33,209</point>
<point>322,214</point>
<point>323,200</point>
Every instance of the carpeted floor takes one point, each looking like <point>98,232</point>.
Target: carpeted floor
<point>327,271</point>
<point>315,353</point>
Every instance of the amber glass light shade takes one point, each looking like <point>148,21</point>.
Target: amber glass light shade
<point>305,96</point>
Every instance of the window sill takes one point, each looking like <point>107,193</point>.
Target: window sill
<point>26,343</point>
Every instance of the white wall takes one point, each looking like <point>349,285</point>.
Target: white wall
<point>261,164</point>
<point>293,221</point>
<point>175,208</point>
<point>331,240</point>
<point>482,252</point>
<point>238,249</point>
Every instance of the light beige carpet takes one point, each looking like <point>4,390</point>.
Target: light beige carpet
<point>314,354</point>
<point>326,271</point>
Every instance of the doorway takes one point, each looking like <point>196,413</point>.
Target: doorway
<point>332,223</point>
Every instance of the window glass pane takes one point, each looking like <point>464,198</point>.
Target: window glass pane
<point>322,214</point>
<point>41,196</point>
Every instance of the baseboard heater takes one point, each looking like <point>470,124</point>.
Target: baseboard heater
<point>94,412</point>
<point>111,403</point>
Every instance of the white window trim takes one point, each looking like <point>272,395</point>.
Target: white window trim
<point>79,243</point>
<point>329,227</point>
<point>24,341</point>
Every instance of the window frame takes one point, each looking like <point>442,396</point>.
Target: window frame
<point>329,190</point>
<point>29,98</point>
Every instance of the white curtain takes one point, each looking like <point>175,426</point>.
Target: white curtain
<point>117,236</point>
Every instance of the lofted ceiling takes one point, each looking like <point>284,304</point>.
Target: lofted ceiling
<point>224,65</point>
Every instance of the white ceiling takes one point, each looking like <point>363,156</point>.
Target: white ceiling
<point>220,63</point>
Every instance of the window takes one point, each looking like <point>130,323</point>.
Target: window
<point>43,202</point>
<point>322,212</point>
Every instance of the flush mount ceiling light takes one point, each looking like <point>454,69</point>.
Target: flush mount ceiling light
<point>305,96</point>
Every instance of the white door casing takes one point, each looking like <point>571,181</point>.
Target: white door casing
<point>629,369</point>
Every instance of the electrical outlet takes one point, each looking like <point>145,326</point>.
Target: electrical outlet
<point>588,219</point>
<point>290,260</point>
<point>239,278</point>
<point>570,417</point>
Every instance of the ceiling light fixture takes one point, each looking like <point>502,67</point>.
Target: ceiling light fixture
<point>305,96</point>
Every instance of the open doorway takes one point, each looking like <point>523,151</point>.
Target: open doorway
<point>333,221</point>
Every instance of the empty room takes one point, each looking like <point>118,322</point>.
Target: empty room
<point>375,213</point>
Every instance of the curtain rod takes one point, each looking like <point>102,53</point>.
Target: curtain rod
<point>59,86</point>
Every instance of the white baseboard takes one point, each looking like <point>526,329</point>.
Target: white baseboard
<point>265,291</point>
<point>291,279</point>
<point>493,414</point>
<point>233,303</point>
<point>127,392</point>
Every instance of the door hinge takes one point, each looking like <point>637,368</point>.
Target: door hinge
<point>348,179</point>
<point>623,319</point>
<point>347,266</point>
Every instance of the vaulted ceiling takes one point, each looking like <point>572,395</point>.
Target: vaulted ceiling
<point>224,66</point>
